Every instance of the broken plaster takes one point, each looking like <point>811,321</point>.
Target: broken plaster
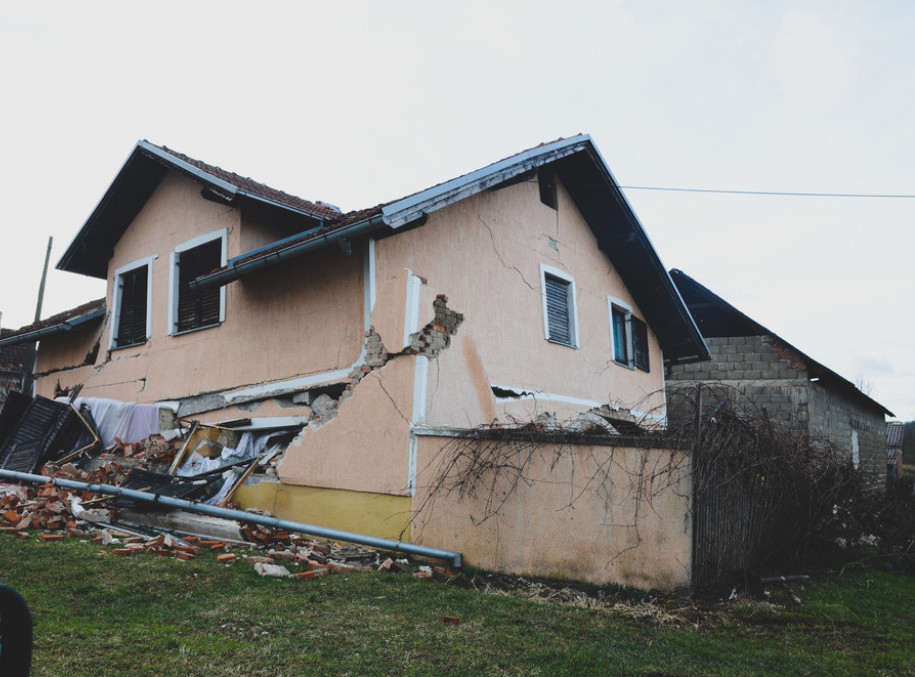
<point>428,342</point>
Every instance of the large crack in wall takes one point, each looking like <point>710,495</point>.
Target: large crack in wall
<point>429,342</point>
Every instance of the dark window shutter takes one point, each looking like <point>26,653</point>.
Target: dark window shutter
<point>558,310</point>
<point>198,308</point>
<point>640,344</point>
<point>132,316</point>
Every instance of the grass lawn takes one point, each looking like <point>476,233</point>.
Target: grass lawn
<point>101,615</point>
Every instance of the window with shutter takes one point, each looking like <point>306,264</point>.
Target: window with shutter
<point>131,299</point>
<point>629,336</point>
<point>558,307</point>
<point>197,309</point>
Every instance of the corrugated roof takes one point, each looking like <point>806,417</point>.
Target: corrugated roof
<point>895,434</point>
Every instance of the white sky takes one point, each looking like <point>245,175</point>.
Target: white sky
<point>361,102</point>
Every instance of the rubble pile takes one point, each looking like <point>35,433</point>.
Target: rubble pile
<point>60,514</point>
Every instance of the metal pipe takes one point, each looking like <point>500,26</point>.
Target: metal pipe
<point>240,516</point>
<point>235,271</point>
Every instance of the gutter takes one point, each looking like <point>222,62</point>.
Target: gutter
<point>69,325</point>
<point>241,516</point>
<point>235,270</point>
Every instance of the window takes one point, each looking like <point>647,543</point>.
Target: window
<point>559,315</point>
<point>131,303</point>
<point>629,336</point>
<point>196,309</point>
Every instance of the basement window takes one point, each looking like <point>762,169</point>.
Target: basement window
<point>132,304</point>
<point>559,314</point>
<point>628,336</point>
<point>200,308</point>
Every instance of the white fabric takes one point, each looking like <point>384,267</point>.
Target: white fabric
<point>126,421</point>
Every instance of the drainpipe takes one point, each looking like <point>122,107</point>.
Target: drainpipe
<point>241,516</point>
<point>234,271</point>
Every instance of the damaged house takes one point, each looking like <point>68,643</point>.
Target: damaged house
<point>516,296</point>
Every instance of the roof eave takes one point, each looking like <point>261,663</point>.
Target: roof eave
<point>81,256</point>
<point>68,325</point>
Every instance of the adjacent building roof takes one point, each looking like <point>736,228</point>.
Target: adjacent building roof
<point>895,434</point>
<point>56,324</point>
<point>147,164</point>
<point>716,318</point>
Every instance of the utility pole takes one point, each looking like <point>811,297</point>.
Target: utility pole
<point>28,381</point>
<point>44,279</point>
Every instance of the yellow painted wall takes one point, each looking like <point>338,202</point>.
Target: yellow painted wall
<point>366,513</point>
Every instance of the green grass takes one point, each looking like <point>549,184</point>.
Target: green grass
<point>102,615</point>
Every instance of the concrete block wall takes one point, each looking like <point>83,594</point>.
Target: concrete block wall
<point>754,373</point>
<point>842,420</point>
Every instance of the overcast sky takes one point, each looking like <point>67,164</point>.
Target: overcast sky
<point>361,102</point>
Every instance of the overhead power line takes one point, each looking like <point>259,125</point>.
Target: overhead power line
<point>767,192</point>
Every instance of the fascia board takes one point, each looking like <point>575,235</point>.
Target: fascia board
<point>413,207</point>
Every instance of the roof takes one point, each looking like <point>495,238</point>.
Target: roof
<point>591,185</point>
<point>147,164</point>
<point>716,318</point>
<point>56,324</point>
<point>895,434</point>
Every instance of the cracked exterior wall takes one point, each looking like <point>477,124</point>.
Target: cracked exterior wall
<point>503,237</point>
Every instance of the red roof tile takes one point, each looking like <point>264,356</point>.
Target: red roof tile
<point>257,188</point>
<point>59,318</point>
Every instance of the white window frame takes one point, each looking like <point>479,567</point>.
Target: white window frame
<point>618,304</point>
<point>614,303</point>
<point>221,235</point>
<point>573,304</point>
<point>116,299</point>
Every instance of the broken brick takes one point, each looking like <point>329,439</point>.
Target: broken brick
<point>52,537</point>
<point>226,558</point>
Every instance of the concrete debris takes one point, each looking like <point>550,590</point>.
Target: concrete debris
<point>128,528</point>
<point>589,422</point>
<point>271,570</point>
